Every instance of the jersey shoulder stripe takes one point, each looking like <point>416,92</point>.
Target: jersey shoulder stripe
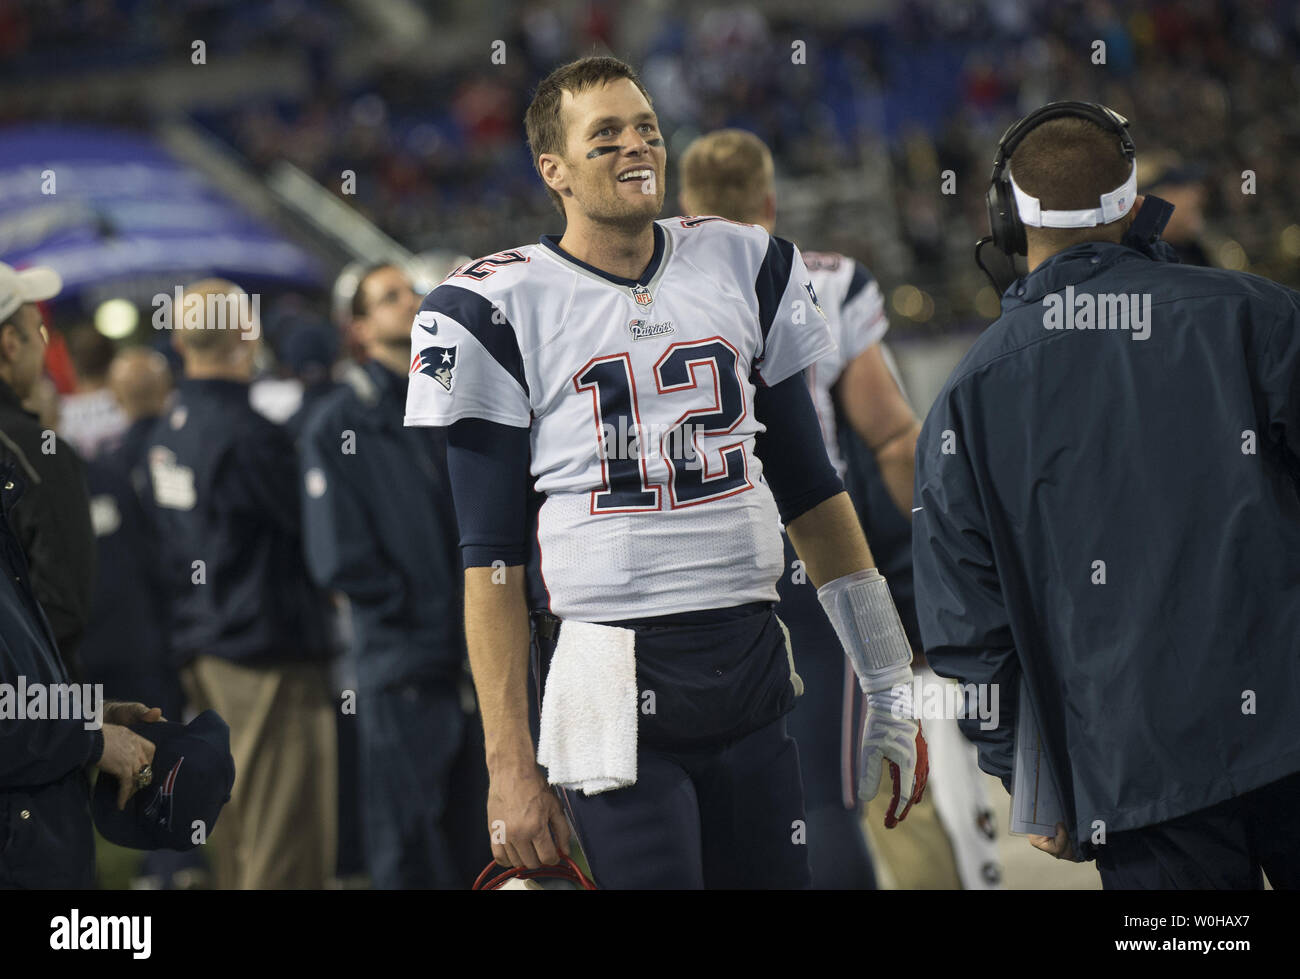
<point>742,244</point>
<point>772,280</point>
<point>481,318</point>
<point>860,279</point>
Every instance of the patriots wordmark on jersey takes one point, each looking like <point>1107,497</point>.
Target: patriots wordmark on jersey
<point>640,399</point>
<point>855,312</point>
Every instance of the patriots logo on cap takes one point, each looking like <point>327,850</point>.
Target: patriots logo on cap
<point>160,808</point>
<point>439,363</point>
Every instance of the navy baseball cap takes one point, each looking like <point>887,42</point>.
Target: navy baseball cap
<point>193,772</point>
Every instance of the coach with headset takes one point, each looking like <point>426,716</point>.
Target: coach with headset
<point>1108,505</point>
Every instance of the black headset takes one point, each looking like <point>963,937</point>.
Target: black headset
<point>1007,230</point>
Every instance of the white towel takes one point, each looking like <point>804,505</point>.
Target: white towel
<point>587,736</point>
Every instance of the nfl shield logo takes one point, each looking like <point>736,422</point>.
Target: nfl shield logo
<point>642,296</point>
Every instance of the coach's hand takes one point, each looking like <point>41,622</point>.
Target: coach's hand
<point>119,712</point>
<point>892,735</point>
<point>525,821</point>
<point>1061,848</point>
<point>125,753</point>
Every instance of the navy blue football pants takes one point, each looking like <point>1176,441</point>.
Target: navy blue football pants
<point>424,786</point>
<point>1222,847</point>
<point>721,812</point>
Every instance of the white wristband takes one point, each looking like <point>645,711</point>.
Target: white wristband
<point>867,623</point>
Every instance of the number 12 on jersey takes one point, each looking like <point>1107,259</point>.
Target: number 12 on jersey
<point>694,476</point>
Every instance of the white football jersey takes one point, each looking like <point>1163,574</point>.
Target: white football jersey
<point>640,399</point>
<point>855,311</point>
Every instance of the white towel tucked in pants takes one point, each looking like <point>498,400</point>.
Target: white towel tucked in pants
<point>588,729</point>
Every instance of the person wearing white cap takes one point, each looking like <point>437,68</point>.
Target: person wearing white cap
<point>52,520</point>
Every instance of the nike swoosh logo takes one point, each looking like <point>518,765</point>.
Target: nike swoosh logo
<point>917,509</point>
<point>432,330</point>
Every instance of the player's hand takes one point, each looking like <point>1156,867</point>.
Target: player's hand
<point>1061,848</point>
<point>125,753</point>
<point>119,712</point>
<point>525,821</point>
<point>892,735</point>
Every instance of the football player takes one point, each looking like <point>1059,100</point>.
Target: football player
<point>730,173</point>
<point>647,375</point>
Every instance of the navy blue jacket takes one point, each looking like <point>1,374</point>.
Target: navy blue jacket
<point>225,492</point>
<point>46,834</point>
<point>380,527</point>
<point>1119,519</point>
<point>53,523</point>
<point>127,645</point>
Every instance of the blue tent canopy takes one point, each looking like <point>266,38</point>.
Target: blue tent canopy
<point>107,208</point>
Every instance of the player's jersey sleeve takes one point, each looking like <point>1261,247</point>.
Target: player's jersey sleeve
<point>862,314</point>
<point>465,362</point>
<point>794,328</point>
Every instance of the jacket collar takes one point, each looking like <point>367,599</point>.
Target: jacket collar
<point>389,383</point>
<point>9,398</point>
<point>214,387</point>
<point>1076,264</point>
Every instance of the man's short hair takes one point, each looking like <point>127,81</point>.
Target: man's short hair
<point>1068,163</point>
<point>211,338</point>
<point>727,172</point>
<point>544,123</point>
<point>359,306</point>
<point>91,352</point>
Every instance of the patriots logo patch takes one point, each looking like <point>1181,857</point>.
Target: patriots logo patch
<point>437,362</point>
<point>813,296</point>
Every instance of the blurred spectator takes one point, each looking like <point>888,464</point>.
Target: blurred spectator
<point>90,417</point>
<point>380,528</point>
<point>309,354</point>
<point>248,625</point>
<point>1167,177</point>
<point>141,382</point>
<point>127,647</point>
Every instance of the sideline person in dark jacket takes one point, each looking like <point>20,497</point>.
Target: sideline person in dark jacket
<point>46,834</point>
<point>53,520</point>
<point>380,527</point>
<point>248,625</point>
<point>127,645</point>
<point>1109,504</point>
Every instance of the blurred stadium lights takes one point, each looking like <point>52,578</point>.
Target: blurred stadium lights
<point>916,304</point>
<point>429,268</point>
<point>1232,256</point>
<point>116,318</point>
<point>988,303</point>
<point>1290,241</point>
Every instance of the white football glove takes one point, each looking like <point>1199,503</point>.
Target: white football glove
<point>892,734</point>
